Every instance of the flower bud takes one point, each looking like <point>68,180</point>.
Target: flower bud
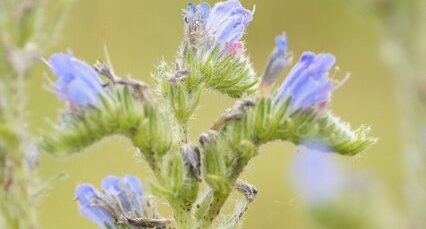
<point>191,159</point>
<point>280,58</point>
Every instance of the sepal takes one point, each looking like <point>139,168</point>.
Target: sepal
<point>342,138</point>
<point>276,121</point>
<point>118,113</point>
<point>182,90</point>
<point>172,178</point>
<point>229,74</point>
<point>153,135</point>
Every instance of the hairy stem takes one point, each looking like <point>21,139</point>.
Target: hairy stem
<point>215,201</point>
<point>18,208</point>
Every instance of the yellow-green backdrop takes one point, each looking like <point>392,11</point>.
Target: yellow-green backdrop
<point>140,33</point>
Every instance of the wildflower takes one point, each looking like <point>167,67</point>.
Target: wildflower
<point>86,195</point>
<point>119,198</point>
<point>219,27</point>
<point>280,58</point>
<point>308,84</point>
<point>315,175</point>
<point>78,84</point>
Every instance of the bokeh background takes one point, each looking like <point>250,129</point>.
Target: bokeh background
<point>139,33</point>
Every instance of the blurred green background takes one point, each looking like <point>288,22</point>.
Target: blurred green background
<point>139,33</point>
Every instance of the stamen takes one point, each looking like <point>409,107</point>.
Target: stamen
<point>108,59</point>
<point>46,62</point>
<point>336,70</point>
<point>49,81</point>
<point>341,82</point>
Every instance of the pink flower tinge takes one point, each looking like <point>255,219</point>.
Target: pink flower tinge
<point>236,47</point>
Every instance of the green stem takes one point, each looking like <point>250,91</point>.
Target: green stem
<point>215,201</point>
<point>181,211</point>
<point>182,214</point>
<point>407,65</point>
<point>19,211</point>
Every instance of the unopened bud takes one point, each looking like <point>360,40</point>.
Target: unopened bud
<point>248,190</point>
<point>191,159</point>
<point>207,137</point>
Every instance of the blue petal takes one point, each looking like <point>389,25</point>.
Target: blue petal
<point>322,95</point>
<point>85,195</point>
<point>61,65</point>
<point>278,60</point>
<point>78,92</point>
<point>306,59</point>
<point>231,33</point>
<point>77,82</point>
<point>111,184</point>
<point>132,189</point>
<point>192,7</point>
<point>307,83</point>
<point>233,26</point>
<point>203,9</point>
<point>316,175</point>
<point>99,217</point>
<point>312,91</point>
<point>198,13</point>
<point>220,12</point>
<point>313,68</point>
<point>86,73</point>
<point>128,190</point>
<point>227,22</point>
<point>133,183</point>
<point>281,43</point>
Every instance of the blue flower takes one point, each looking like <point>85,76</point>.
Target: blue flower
<point>222,26</point>
<point>128,190</point>
<point>119,197</point>
<point>77,82</point>
<point>280,58</point>
<point>308,84</point>
<point>316,176</point>
<point>87,196</point>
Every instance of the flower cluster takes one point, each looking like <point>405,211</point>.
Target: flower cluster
<point>119,199</point>
<point>221,27</point>
<point>211,58</point>
<point>78,83</point>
